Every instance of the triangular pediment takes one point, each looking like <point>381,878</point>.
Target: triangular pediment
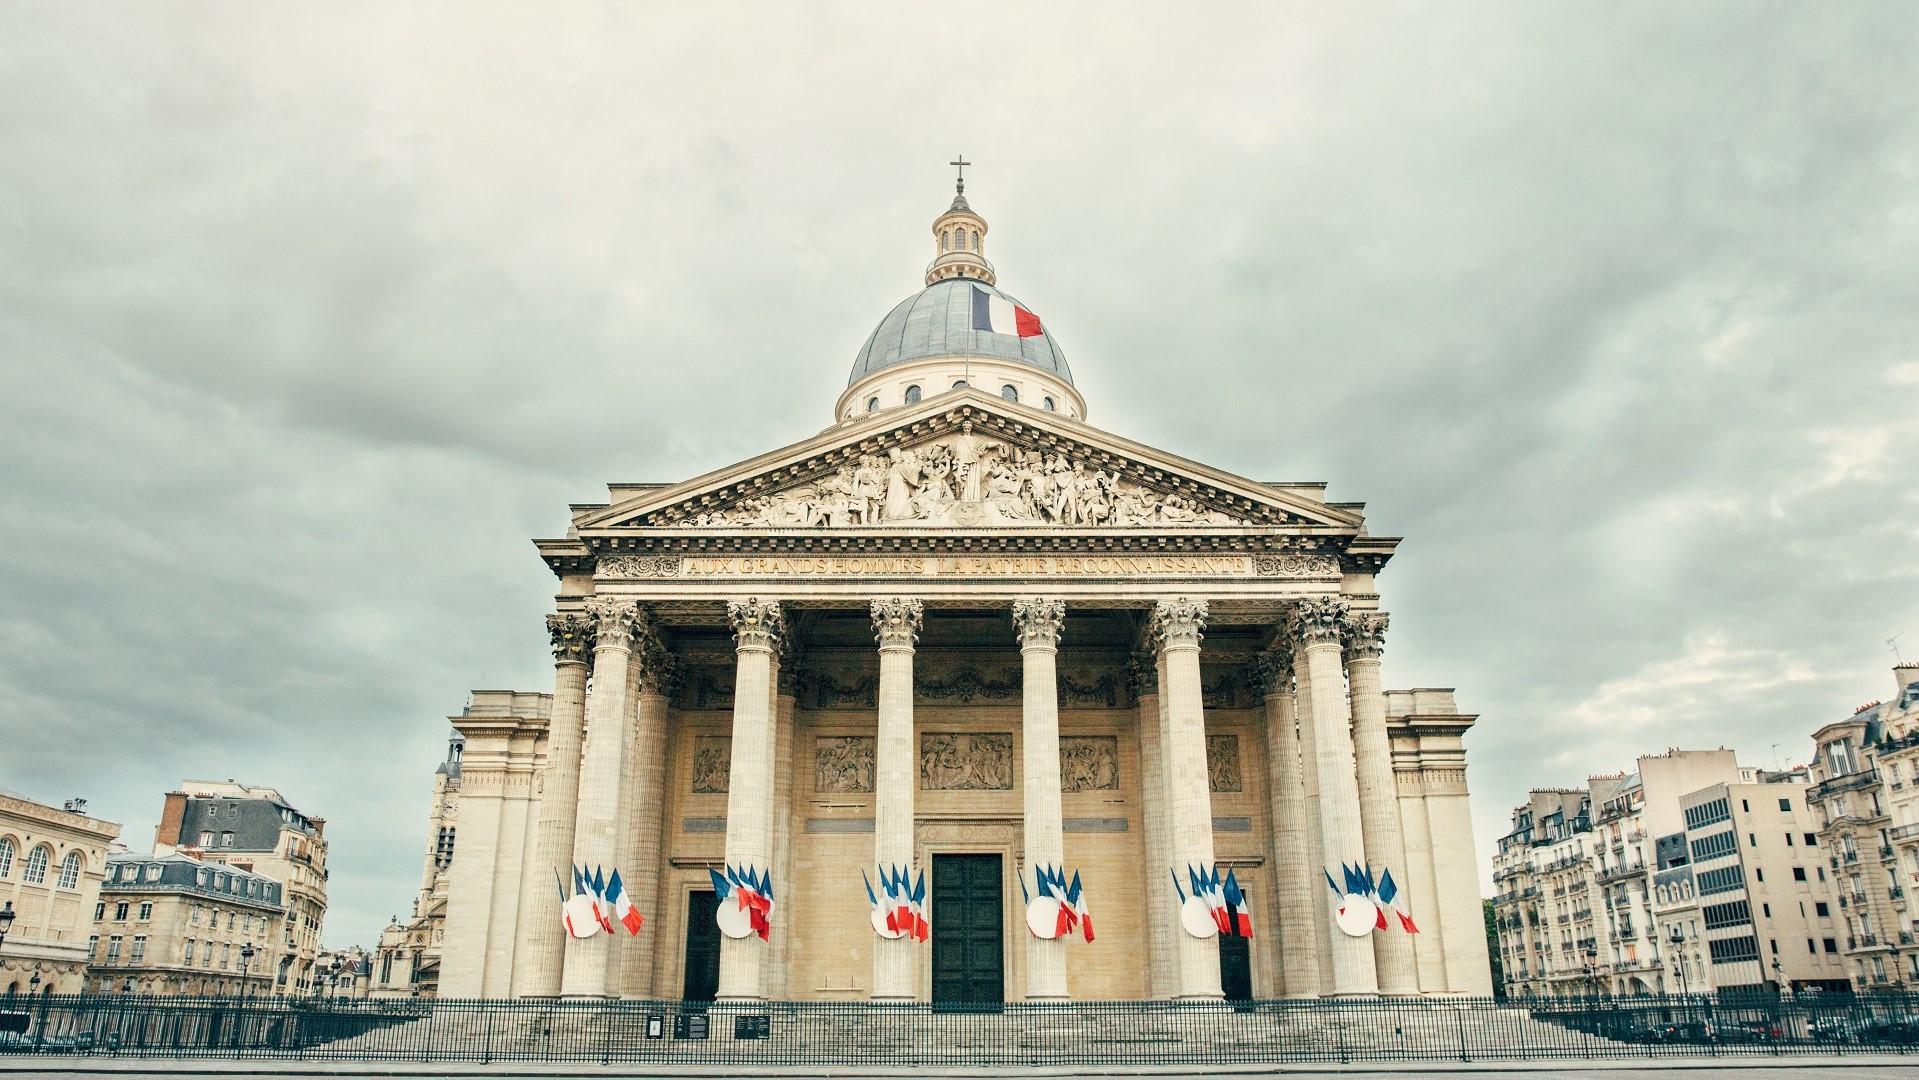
<point>967,460</point>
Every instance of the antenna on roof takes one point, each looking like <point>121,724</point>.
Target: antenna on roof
<point>1893,644</point>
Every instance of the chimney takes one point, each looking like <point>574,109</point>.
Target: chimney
<point>173,814</point>
<point>76,806</point>
<point>1905,674</point>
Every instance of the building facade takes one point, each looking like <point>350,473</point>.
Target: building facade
<point>406,963</point>
<point>963,631</point>
<point>51,862</point>
<point>256,829</point>
<point>175,925</point>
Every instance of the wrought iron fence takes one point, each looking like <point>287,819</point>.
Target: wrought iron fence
<point>864,1034</point>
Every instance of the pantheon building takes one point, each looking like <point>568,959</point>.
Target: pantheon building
<point>964,632</point>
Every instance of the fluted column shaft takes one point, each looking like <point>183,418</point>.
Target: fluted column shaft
<point>1160,901</point>
<point>1037,623</point>
<point>758,626</point>
<point>1393,955</point>
<point>783,704</point>
<point>1295,879</point>
<point>896,625</point>
<point>596,825</point>
<point>542,957</point>
<point>1342,840</point>
<point>1176,627</point>
<point>1323,929</point>
<point>644,811</point>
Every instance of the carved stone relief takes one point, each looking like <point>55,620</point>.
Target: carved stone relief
<point>967,684</point>
<point>1104,687</point>
<point>843,763</point>
<point>1222,762</point>
<point>961,761</point>
<point>637,566</point>
<point>1296,566</point>
<point>712,763</point>
<point>857,690</point>
<point>964,480</point>
<point>1089,763</point>
<point>1226,688</point>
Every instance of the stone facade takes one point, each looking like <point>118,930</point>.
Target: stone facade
<point>51,863</point>
<point>406,963</point>
<point>961,624</point>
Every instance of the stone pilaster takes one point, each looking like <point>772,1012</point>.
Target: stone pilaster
<point>596,824</point>
<point>1177,626</point>
<point>543,938</point>
<point>758,625</point>
<point>643,809</point>
<point>1158,887</point>
<point>1037,623</point>
<point>784,699</point>
<point>1365,638</point>
<point>896,626</point>
<point>1318,625</point>
<point>1428,948</point>
<point>1296,877</point>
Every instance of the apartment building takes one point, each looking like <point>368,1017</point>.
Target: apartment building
<point>173,925</point>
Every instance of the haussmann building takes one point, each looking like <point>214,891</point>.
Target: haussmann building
<point>965,632</point>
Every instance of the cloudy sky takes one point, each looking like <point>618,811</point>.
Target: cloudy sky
<point>311,315</point>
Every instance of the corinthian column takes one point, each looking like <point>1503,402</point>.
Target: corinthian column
<point>543,938</point>
<point>1318,622</point>
<point>758,626</point>
<point>1295,877</point>
<point>1176,627</point>
<point>1158,887</point>
<point>1037,623</point>
<point>1323,929</point>
<point>641,807</point>
<point>896,624</point>
<point>596,825</point>
<point>1393,956</point>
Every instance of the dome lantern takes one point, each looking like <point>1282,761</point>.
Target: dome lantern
<point>958,236</point>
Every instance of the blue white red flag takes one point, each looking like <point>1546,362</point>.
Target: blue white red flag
<point>996,314</point>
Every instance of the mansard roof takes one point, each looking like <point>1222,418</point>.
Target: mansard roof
<point>1177,504</point>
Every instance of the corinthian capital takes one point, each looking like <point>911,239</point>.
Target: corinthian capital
<point>1316,620</point>
<point>1037,622</point>
<point>1145,670</point>
<point>896,621</point>
<point>616,621</point>
<point>1273,669</point>
<point>756,623</point>
<point>1178,622</point>
<point>658,671</point>
<point>1365,634</point>
<point>572,635</point>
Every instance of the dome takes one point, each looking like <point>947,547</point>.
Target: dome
<point>938,321</point>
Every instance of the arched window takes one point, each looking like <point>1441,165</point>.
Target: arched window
<point>1048,402</point>
<point>959,383</point>
<point>913,395</point>
<point>945,237</point>
<point>975,239</point>
<point>873,403</point>
<point>6,856</point>
<point>1009,392</point>
<point>37,865</point>
<point>70,871</point>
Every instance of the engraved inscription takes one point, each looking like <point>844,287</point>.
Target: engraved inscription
<point>712,763</point>
<point>1089,763</point>
<point>843,763</point>
<point>1222,762</point>
<point>961,761</point>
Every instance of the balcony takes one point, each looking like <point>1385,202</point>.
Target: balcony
<point>1885,851</point>
<point>1849,856</point>
<point>1614,873</point>
<point>1851,781</point>
<point>1904,832</point>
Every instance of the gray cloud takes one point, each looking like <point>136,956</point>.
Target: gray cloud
<point>310,317</point>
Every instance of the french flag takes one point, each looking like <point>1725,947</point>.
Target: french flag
<point>998,315</point>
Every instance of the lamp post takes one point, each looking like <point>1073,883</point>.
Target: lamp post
<point>1592,970</point>
<point>1676,934</point>
<point>333,974</point>
<point>6,921</point>
<point>246,961</point>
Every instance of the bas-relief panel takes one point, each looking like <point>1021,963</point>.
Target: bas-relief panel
<point>712,764</point>
<point>965,761</point>
<point>1088,763</point>
<point>1222,763</point>
<point>843,763</point>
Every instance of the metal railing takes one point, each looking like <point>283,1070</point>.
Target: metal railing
<point>866,1035</point>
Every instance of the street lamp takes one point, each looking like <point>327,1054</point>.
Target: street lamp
<point>33,984</point>
<point>246,961</point>
<point>333,975</point>
<point>1592,969</point>
<point>6,921</point>
<point>1676,934</point>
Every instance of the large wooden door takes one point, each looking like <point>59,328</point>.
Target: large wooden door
<point>702,980</point>
<point>968,936</point>
<point>1235,968</point>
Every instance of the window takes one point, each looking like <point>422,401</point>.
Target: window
<point>1724,879</point>
<point>959,383</point>
<point>146,910</point>
<point>206,839</point>
<point>975,239</point>
<point>193,915</point>
<point>233,919</point>
<point>945,239</point>
<point>93,948</point>
<point>1831,945</point>
<point>386,968</point>
<point>6,856</point>
<point>1785,805</point>
<point>1799,873</point>
<point>113,949</point>
<point>1047,404</point>
<point>139,950</point>
<point>226,955</point>
<point>1759,873</point>
<point>226,839</point>
<point>120,911</point>
<point>37,865</point>
<point>1736,913</point>
<point>189,951</point>
<point>1788,839</point>
<point>913,395</point>
<point>1766,910</point>
<point>443,846</point>
<point>70,871</point>
<point>1707,813</point>
<point>153,873</point>
<point>203,876</point>
<point>1711,847</point>
<point>1752,839</point>
<point>873,403</point>
<point>100,911</point>
<point>1009,392</point>
<point>1733,950</point>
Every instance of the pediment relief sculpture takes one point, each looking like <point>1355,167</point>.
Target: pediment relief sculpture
<point>964,480</point>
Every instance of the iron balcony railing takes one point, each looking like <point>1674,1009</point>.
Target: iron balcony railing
<point>1847,782</point>
<point>746,1039</point>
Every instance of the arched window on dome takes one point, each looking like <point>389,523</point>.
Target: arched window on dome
<point>873,403</point>
<point>959,383</point>
<point>1048,403</point>
<point>70,871</point>
<point>945,237</point>
<point>1009,392</point>
<point>913,394</point>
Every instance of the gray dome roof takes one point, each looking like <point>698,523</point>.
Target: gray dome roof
<point>938,321</point>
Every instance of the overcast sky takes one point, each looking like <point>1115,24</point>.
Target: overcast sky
<point>312,315</point>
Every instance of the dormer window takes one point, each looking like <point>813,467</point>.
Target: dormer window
<point>873,403</point>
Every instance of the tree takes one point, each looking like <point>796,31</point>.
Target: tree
<point>1492,949</point>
